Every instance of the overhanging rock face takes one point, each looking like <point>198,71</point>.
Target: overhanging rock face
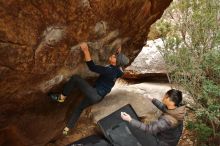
<point>39,50</point>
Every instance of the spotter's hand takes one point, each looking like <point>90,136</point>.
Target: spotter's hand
<point>126,117</point>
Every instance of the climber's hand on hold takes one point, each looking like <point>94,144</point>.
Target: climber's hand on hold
<point>84,47</point>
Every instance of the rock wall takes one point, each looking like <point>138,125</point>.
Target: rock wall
<point>39,51</point>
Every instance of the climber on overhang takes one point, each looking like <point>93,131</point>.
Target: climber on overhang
<point>103,85</point>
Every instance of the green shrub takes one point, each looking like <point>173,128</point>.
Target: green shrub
<point>191,36</point>
<point>202,130</point>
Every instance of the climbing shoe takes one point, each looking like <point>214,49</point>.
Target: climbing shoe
<point>66,131</point>
<point>56,97</point>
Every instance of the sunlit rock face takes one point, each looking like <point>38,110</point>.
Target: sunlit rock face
<point>39,51</point>
<point>149,64</point>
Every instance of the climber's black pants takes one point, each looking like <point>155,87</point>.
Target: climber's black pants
<point>90,93</point>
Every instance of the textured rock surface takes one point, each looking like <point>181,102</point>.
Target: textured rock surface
<point>149,63</point>
<point>39,51</point>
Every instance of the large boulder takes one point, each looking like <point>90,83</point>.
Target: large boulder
<point>149,64</point>
<point>137,96</point>
<point>39,51</point>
